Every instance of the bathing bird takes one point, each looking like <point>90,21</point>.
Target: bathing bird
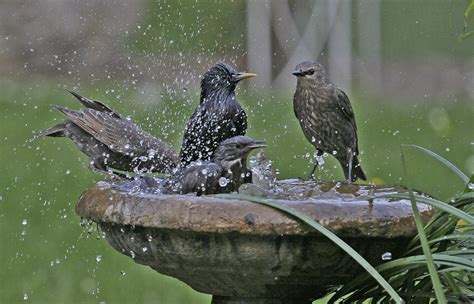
<point>112,141</point>
<point>327,119</point>
<point>223,174</point>
<point>218,116</point>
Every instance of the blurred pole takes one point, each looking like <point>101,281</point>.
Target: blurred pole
<point>295,45</point>
<point>340,44</point>
<point>370,45</point>
<point>259,44</point>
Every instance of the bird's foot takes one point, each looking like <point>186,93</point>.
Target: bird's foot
<point>347,181</point>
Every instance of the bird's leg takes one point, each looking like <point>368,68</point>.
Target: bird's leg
<point>318,153</point>
<point>311,175</point>
<point>349,166</point>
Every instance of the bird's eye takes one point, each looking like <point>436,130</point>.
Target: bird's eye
<point>238,146</point>
<point>310,72</point>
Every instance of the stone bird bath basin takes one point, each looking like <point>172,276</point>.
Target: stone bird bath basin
<point>242,252</point>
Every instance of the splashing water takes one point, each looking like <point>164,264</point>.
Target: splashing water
<point>387,256</point>
<point>223,181</point>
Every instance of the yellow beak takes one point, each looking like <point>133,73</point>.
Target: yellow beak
<point>241,76</point>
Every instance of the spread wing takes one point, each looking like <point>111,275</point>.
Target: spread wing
<point>120,135</point>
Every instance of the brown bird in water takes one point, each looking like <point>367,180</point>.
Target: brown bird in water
<point>112,141</point>
<point>225,173</point>
<point>218,117</point>
<point>326,117</point>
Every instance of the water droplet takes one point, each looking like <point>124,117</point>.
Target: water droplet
<point>24,222</point>
<point>470,186</point>
<point>132,254</point>
<point>68,172</point>
<point>223,181</point>
<point>387,256</point>
<point>145,249</point>
<point>123,273</point>
<point>25,296</point>
<point>98,258</point>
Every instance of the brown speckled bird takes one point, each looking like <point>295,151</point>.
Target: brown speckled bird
<point>225,173</point>
<point>326,117</point>
<point>112,141</point>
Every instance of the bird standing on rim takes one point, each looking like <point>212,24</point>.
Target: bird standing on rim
<point>326,117</point>
<point>221,175</point>
<point>112,141</point>
<point>218,117</point>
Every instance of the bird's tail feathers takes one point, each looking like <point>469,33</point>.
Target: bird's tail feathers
<point>357,171</point>
<point>56,131</point>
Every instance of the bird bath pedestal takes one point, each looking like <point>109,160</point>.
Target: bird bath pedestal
<point>242,252</point>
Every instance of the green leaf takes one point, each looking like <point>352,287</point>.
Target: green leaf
<point>469,9</point>
<point>470,183</point>
<point>324,231</point>
<point>465,35</point>
<point>438,288</point>
<point>443,160</point>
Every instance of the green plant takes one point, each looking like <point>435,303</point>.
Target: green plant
<point>438,262</point>
<point>467,33</point>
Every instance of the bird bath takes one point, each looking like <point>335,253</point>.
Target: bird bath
<point>242,252</point>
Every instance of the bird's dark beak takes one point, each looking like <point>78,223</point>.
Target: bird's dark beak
<point>298,73</point>
<point>258,144</point>
<point>240,76</point>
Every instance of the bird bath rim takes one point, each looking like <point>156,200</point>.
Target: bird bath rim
<point>354,217</point>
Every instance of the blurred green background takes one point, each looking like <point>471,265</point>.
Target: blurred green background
<point>152,74</point>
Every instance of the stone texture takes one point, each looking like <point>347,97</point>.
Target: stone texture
<point>242,252</point>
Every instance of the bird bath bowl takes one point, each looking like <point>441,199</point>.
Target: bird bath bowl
<point>242,252</point>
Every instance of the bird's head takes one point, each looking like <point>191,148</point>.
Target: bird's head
<point>222,77</point>
<point>236,148</point>
<point>309,70</point>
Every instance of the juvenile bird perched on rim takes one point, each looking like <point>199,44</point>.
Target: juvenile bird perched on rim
<point>225,173</point>
<point>326,117</point>
<point>218,117</point>
<point>112,141</point>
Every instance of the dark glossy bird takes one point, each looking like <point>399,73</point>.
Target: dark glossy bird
<point>326,117</point>
<point>224,174</point>
<point>218,117</point>
<point>112,141</point>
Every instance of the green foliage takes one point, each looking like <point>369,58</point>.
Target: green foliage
<point>433,271</point>
<point>469,9</point>
<point>467,33</point>
<point>446,248</point>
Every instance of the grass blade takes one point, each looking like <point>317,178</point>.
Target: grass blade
<point>334,238</point>
<point>443,160</point>
<point>435,280</point>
